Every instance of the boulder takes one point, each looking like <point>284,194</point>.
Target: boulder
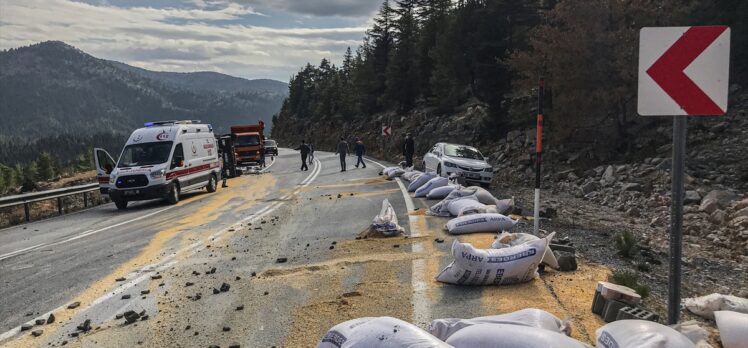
<point>589,187</point>
<point>631,186</point>
<point>717,199</point>
<point>692,197</point>
<point>609,176</point>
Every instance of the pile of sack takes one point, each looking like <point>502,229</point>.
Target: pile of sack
<point>729,312</point>
<point>524,328</point>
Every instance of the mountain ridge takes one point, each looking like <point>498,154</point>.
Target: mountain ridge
<point>52,88</point>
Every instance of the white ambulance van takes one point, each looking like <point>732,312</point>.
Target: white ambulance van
<point>162,160</point>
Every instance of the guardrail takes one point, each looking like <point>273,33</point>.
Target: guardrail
<point>33,197</point>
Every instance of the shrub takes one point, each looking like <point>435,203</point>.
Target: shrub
<point>626,244</point>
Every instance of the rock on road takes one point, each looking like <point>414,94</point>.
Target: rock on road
<point>273,260</point>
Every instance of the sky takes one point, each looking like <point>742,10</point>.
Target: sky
<point>245,38</point>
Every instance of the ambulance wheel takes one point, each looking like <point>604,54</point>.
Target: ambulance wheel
<point>120,203</point>
<point>173,197</point>
<point>212,182</point>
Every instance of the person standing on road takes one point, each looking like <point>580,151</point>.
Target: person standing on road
<point>304,149</point>
<point>342,150</point>
<point>360,150</point>
<point>409,147</point>
<point>311,154</point>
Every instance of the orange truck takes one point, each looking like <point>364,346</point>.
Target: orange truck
<point>249,141</point>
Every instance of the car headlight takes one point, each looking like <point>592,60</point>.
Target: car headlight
<point>450,164</point>
<point>158,174</point>
<point>488,170</point>
<point>112,179</point>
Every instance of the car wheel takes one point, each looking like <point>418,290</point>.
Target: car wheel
<point>173,197</point>
<point>120,203</point>
<point>439,170</point>
<point>211,187</point>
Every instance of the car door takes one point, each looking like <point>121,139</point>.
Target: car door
<point>104,167</point>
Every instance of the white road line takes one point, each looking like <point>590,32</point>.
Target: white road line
<point>421,308</point>
<point>144,272</point>
<point>83,234</point>
<point>91,232</point>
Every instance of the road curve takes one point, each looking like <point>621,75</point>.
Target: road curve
<point>171,262</point>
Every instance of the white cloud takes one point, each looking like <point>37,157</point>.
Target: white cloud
<point>205,37</point>
<point>357,8</point>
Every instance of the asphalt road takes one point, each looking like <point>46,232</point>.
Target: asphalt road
<point>166,255</point>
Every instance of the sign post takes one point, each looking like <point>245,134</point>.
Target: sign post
<point>683,71</point>
<point>538,156</point>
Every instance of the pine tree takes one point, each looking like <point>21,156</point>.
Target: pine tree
<point>29,175</point>
<point>402,72</point>
<point>45,167</point>
<point>381,41</point>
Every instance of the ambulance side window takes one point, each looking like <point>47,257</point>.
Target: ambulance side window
<point>177,160</point>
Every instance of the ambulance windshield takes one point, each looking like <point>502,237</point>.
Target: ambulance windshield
<point>145,154</point>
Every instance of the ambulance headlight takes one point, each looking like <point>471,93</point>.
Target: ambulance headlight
<point>112,179</point>
<point>158,174</point>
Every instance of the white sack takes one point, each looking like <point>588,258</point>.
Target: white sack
<point>430,185</point>
<point>411,174</point>
<point>510,336</point>
<point>705,306</point>
<point>532,317</point>
<point>395,172</point>
<point>694,332</point>
<point>478,210</point>
<point>387,170</point>
<point>632,333</point>
<point>506,240</point>
<point>441,192</point>
<point>489,222</point>
<point>511,265</point>
<point>442,208</point>
<point>386,221</point>
<point>733,328</point>
<point>463,203</point>
<point>379,332</point>
<point>420,181</point>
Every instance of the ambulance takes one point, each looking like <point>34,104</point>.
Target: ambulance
<point>160,161</point>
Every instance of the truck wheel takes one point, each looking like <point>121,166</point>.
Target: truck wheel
<point>212,182</point>
<point>173,197</point>
<point>120,203</point>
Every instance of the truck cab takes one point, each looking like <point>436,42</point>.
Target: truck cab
<point>249,143</point>
<point>161,160</point>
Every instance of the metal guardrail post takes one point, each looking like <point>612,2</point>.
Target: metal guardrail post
<point>59,205</point>
<point>26,211</point>
<point>85,199</point>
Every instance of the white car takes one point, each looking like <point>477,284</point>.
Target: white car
<point>446,159</point>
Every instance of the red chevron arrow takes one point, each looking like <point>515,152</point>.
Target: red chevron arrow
<point>668,73</point>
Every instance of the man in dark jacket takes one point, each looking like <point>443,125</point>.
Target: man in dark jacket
<point>409,147</point>
<point>342,150</point>
<point>360,150</point>
<point>304,149</point>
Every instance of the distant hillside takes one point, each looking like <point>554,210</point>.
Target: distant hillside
<point>202,81</point>
<point>51,89</point>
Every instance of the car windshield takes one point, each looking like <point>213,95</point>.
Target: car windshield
<point>269,143</point>
<point>145,154</point>
<point>462,151</point>
<point>247,140</point>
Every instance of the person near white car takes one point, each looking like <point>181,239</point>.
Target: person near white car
<point>446,159</point>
